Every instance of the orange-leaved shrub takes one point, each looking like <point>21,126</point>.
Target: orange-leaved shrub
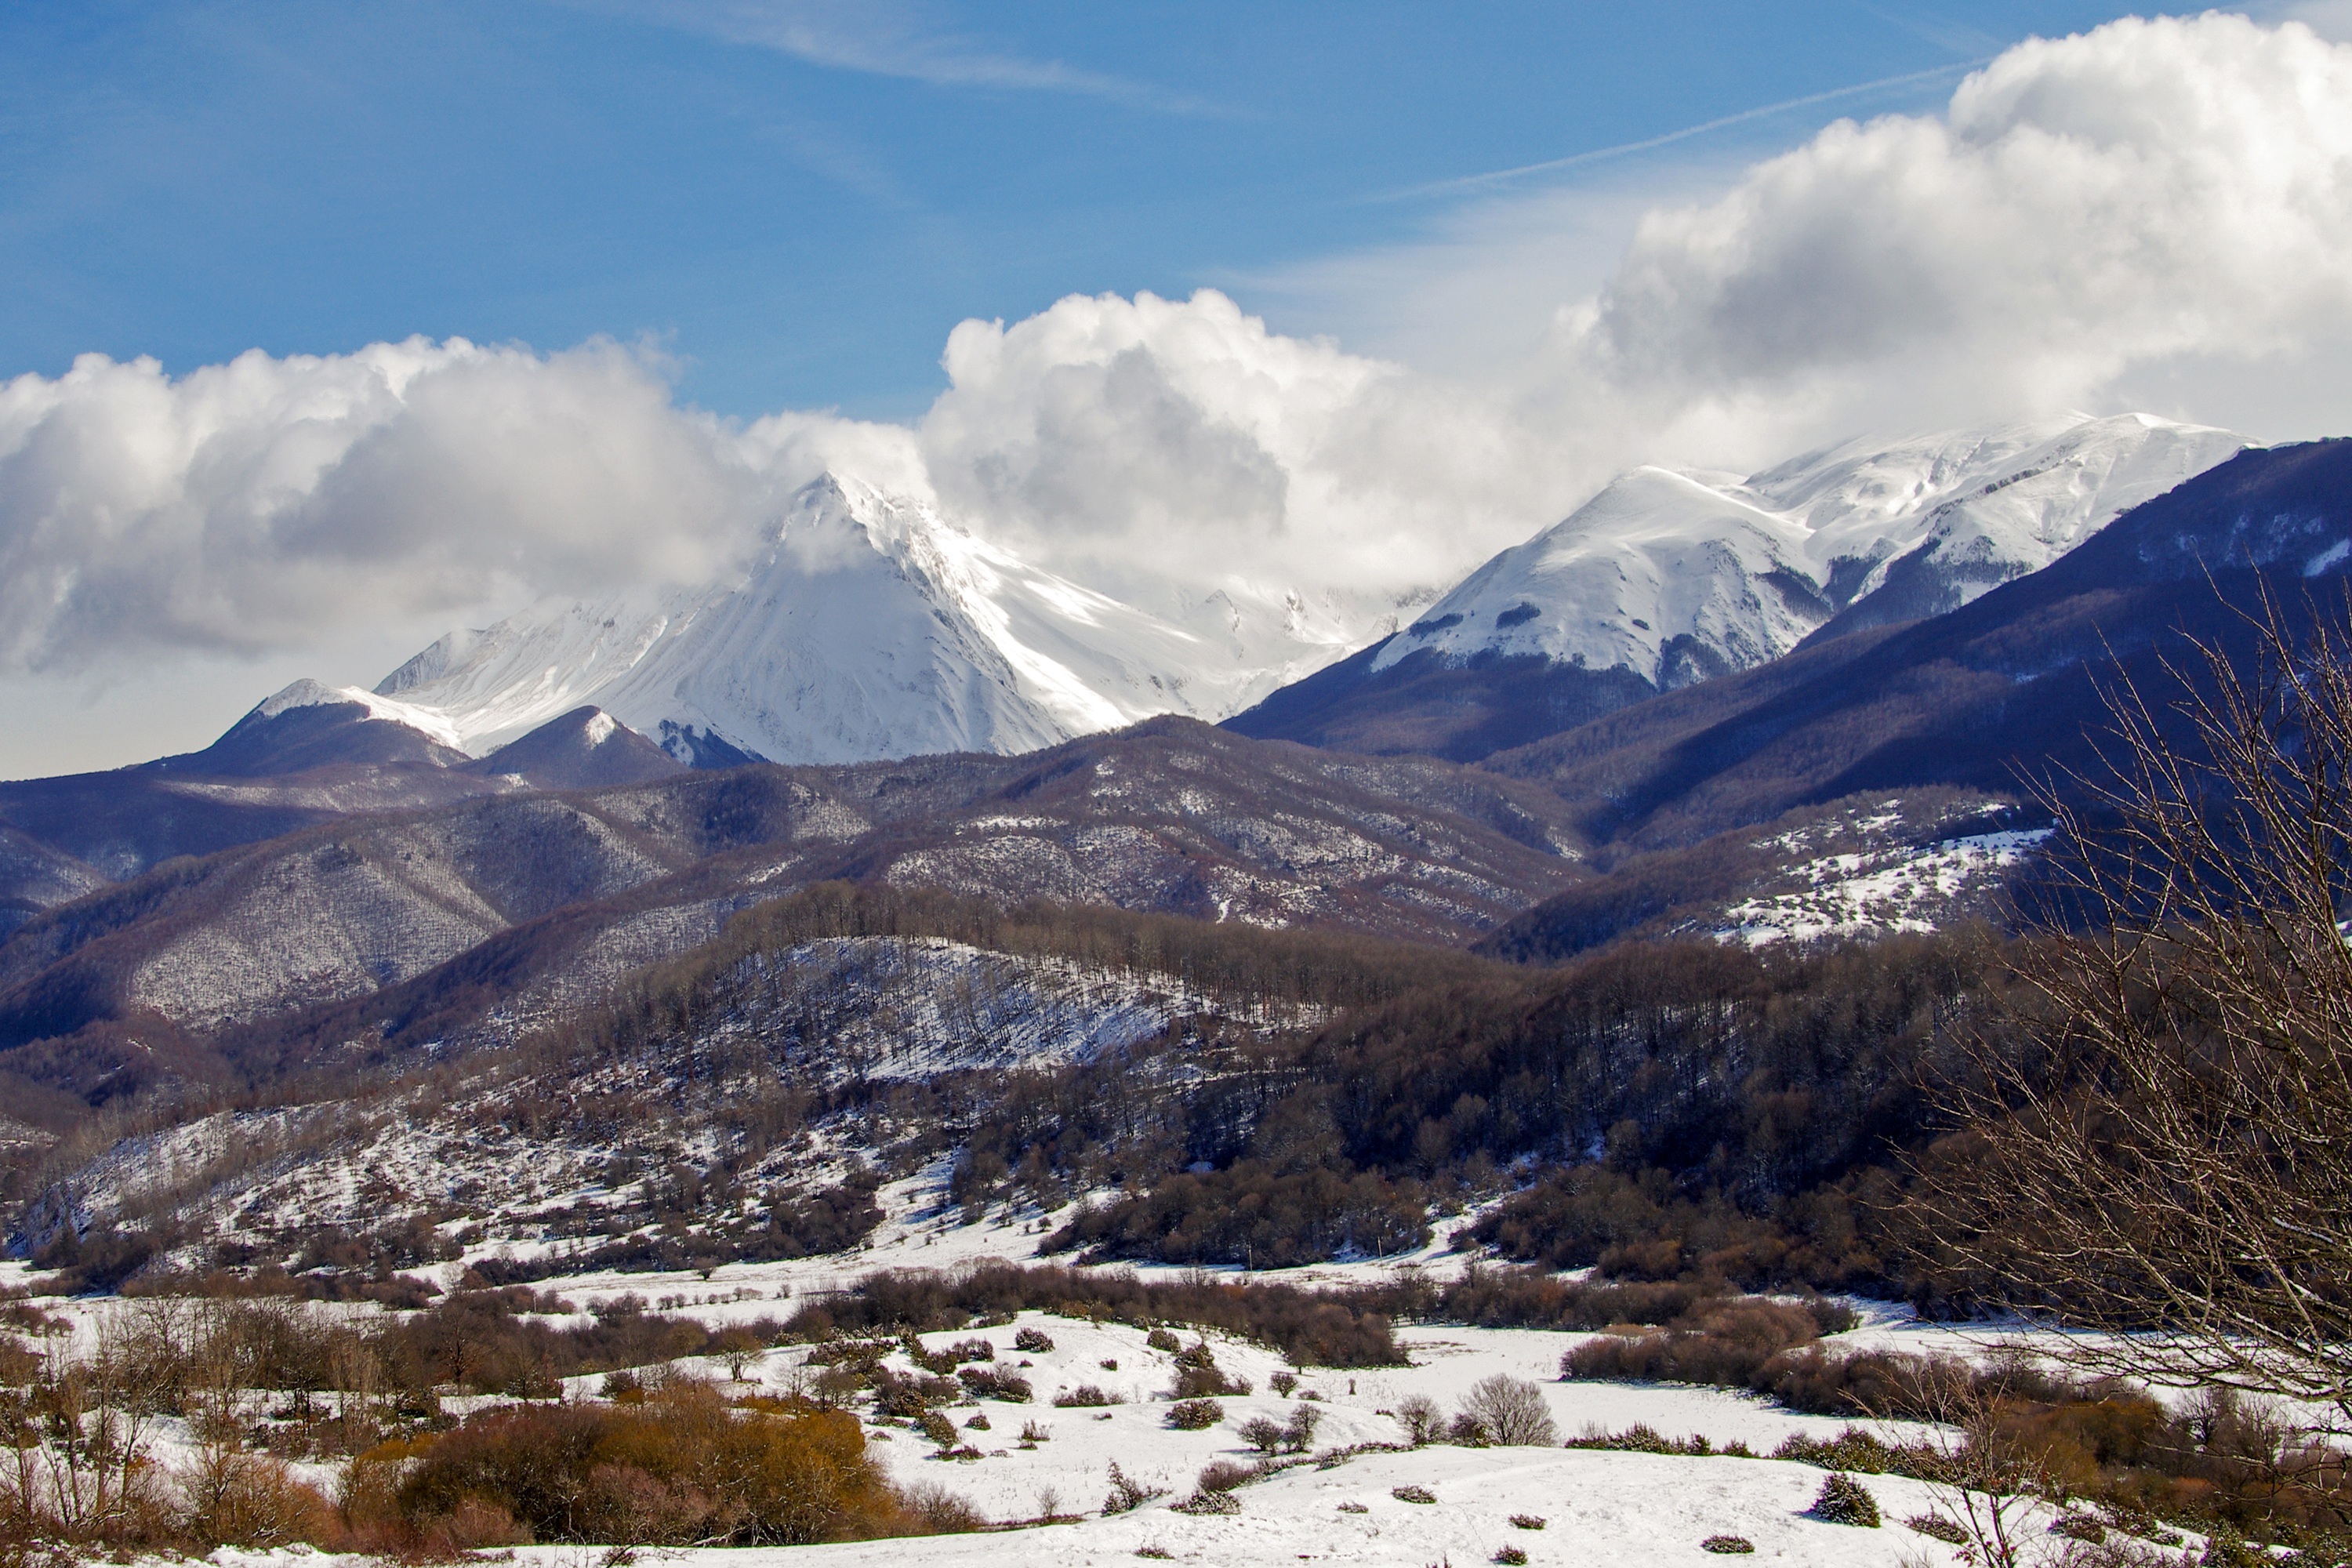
<point>680,1466</point>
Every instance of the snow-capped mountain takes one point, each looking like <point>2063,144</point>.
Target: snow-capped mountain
<point>868,627</point>
<point>1676,575</point>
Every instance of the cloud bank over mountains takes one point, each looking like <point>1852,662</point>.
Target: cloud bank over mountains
<point>2129,208</point>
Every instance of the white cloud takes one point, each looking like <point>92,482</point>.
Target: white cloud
<point>2151,210</point>
<point>260,504</point>
<point>2087,209</point>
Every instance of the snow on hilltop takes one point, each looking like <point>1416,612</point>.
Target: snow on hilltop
<point>1679,575</point>
<point>868,627</point>
<point>436,727</point>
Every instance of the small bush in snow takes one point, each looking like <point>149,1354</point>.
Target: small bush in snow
<point>1354,1508</point>
<point>1299,1436</point>
<point>1206,1382</point>
<point>989,1383</point>
<point>1126,1493</point>
<point>1109,1363</point>
<point>1527,1521</point>
<point>938,1428</point>
<point>1418,1414</point>
<point>1153,1549</point>
<point>1264,1433</point>
<point>1511,1555</point>
<point>979,1423</point>
<point>1283,1382</point>
<point>1413,1494</point>
<point>1210,1502</point>
<point>1938,1527</point>
<point>1161,1340</point>
<point>1224,1476</point>
<point>1728,1544</point>
<point>1036,1341</point>
<point>1642,1438</point>
<point>1845,1500</point>
<point>1195,1414</point>
<point>1085,1396</point>
<point>1032,1433</point>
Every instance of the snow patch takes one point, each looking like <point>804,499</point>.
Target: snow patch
<point>1902,890</point>
<point>433,724</point>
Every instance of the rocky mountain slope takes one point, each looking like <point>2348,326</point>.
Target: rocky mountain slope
<point>435,923</point>
<point>2004,694</point>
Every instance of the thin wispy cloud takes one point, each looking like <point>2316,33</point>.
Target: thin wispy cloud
<point>1933,27</point>
<point>877,39</point>
<point>1495,177</point>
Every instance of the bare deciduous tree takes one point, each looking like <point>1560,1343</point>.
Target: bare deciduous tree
<point>1510,1413</point>
<point>2159,1135</point>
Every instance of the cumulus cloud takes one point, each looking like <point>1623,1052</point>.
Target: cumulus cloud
<point>2087,207</point>
<point>2093,219</point>
<point>2153,205</point>
<point>246,507</point>
<point>1136,440</point>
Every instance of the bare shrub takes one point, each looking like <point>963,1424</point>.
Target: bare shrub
<point>1224,1475</point>
<point>1510,1413</point>
<point>1938,1527</point>
<point>1198,1376</point>
<point>1422,1420</point>
<point>994,1382</point>
<point>1126,1493</point>
<point>941,1511</point>
<point>2155,1135</point>
<point>1264,1434</point>
<point>1299,1432</point>
<point>251,1499</point>
<point>1195,1414</point>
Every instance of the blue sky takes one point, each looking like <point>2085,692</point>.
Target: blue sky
<point>1501,251</point>
<point>800,201</point>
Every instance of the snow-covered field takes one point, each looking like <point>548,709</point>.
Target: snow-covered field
<point>1037,1461</point>
<point>1598,1509</point>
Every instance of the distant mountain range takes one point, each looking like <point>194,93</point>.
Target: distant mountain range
<point>871,627</point>
<point>1668,578</point>
<point>341,875</point>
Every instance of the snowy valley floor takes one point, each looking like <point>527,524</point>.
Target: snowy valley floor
<point>1598,1507</point>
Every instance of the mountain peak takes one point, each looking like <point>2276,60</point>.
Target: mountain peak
<point>1670,577</point>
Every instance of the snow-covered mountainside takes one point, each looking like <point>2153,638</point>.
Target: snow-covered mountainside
<point>1676,576</point>
<point>870,627</point>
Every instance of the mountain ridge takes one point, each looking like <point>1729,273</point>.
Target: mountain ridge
<point>1668,578</point>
